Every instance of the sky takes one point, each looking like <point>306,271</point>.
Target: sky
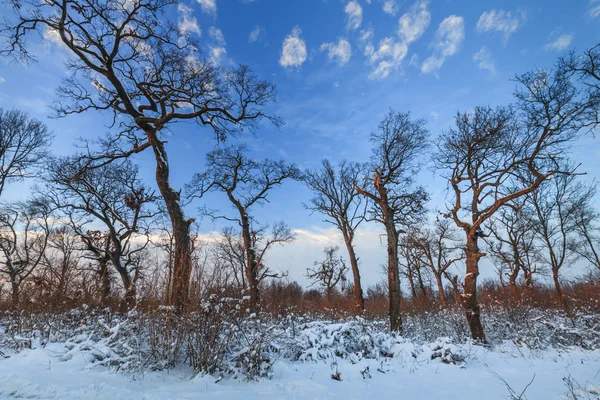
<point>339,66</point>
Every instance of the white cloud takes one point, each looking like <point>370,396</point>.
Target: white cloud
<point>217,55</point>
<point>354,15</point>
<point>217,35</point>
<point>255,34</point>
<point>187,23</point>
<point>562,42</point>
<point>500,21</point>
<point>414,23</point>
<point>390,7</point>
<point>448,38</point>
<point>366,35</point>
<point>293,50</point>
<point>390,53</point>
<point>208,6</point>
<point>2,80</point>
<point>51,35</point>
<point>483,58</point>
<point>594,10</point>
<point>339,52</point>
<point>387,57</point>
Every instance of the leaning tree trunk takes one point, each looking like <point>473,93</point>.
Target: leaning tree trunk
<point>393,272</point>
<point>359,300</point>
<point>470,303</point>
<point>182,258</point>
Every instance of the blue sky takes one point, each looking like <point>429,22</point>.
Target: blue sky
<point>339,66</point>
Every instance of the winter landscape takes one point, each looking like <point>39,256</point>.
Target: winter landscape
<point>319,199</point>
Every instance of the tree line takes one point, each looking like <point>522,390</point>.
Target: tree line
<point>511,185</point>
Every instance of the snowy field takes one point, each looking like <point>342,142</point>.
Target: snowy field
<point>355,359</point>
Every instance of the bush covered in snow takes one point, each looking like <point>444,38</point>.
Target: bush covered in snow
<point>225,339</point>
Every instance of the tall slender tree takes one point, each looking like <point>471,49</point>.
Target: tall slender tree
<point>246,183</point>
<point>336,197</point>
<point>397,145</point>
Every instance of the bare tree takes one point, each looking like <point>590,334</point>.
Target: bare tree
<point>555,206</point>
<point>246,183</point>
<point>512,244</point>
<point>60,262</point>
<point>439,250</point>
<point>24,231</point>
<point>413,257</point>
<point>484,157</point>
<point>398,143</point>
<point>114,196</point>
<point>587,228</point>
<point>24,143</point>
<point>148,76</point>
<point>329,272</point>
<point>336,197</point>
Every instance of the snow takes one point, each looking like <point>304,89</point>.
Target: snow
<point>100,356</point>
<point>40,374</point>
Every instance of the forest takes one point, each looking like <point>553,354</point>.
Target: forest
<point>116,267</point>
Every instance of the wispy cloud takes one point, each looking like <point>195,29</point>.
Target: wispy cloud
<point>255,34</point>
<point>483,58</point>
<point>293,50</point>
<point>389,54</point>
<point>339,52</point>
<point>594,9</point>
<point>187,23</point>
<point>354,13</point>
<point>448,39</point>
<point>562,42</point>
<point>217,52</point>
<point>208,6</point>
<point>501,21</point>
<point>390,7</point>
<point>413,24</point>
<point>2,80</point>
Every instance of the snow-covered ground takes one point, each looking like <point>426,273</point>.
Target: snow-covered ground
<point>40,374</point>
<point>86,356</point>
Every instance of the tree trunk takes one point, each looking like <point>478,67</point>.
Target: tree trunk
<point>182,259</point>
<point>359,300</point>
<point>130,290</point>
<point>559,291</point>
<point>393,272</point>
<point>411,281</point>
<point>251,264</point>
<point>15,292</point>
<point>105,282</point>
<point>421,284</point>
<point>470,303</point>
<point>512,281</point>
<point>440,285</point>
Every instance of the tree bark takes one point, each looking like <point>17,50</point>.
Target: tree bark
<point>440,285</point>
<point>359,300</point>
<point>251,264</point>
<point>393,272</point>
<point>105,282</point>
<point>15,292</point>
<point>182,259</point>
<point>470,302</point>
<point>559,291</point>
